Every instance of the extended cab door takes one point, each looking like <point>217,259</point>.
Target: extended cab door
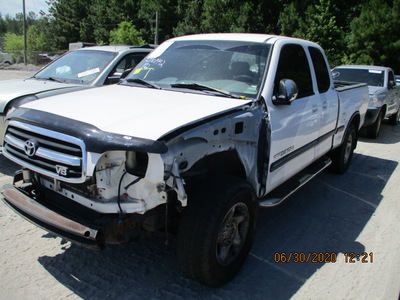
<point>294,127</point>
<point>393,96</point>
<point>328,98</point>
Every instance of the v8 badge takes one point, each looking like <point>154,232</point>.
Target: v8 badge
<point>61,170</point>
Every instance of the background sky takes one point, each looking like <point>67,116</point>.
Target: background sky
<point>12,7</point>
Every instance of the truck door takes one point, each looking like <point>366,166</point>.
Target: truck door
<point>329,101</point>
<point>393,97</point>
<point>294,127</point>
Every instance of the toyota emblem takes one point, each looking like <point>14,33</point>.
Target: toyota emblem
<point>30,147</point>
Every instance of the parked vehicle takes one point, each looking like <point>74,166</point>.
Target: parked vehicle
<point>397,79</point>
<point>47,57</point>
<point>6,59</point>
<point>383,91</point>
<point>202,132</point>
<point>80,69</point>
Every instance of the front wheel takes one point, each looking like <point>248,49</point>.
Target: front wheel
<point>217,230</point>
<point>342,156</point>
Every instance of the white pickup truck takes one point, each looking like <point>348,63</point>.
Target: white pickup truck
<point>384,94</point>
<point>206,129</point>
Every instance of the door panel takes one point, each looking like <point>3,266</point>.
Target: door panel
<point>294,127</point>
<point>329,101</point>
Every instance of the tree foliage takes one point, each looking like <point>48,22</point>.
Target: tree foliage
<point>126,34</point>
<point>372,41</point>
<point>319,25</point>
<point>351,31</point>
<point>13,41</point>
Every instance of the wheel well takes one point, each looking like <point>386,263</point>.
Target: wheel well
<point>383,110</point>
<point>221,163</point>
<point>356,123</point>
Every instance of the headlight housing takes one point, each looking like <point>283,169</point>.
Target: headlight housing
<point>136,163</point>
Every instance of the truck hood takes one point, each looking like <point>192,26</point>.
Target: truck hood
<point>134,111</point>
<point>11,89</point>
<point>375,89</point>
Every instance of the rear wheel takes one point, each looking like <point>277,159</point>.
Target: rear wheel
<point>394,119</point>
<point>342,156</point>
<point>375,128</point>
<point>217,230</point>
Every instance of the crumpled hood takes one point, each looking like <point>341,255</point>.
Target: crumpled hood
<point>134,111</point>
<point>11,89</point>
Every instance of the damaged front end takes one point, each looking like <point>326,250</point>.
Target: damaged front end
<point>95,188</point>
<point>89,198</point>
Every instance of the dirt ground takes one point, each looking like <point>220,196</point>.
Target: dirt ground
<point>357,212</point>
<point>15,74</point>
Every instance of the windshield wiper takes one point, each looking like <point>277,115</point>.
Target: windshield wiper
<point>51,79</point>
<point>201,87</point>
<point>143,82</point>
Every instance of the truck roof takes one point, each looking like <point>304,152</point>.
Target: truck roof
<point>363,67</point>
<point>248,37</point>
<point>114,48</point>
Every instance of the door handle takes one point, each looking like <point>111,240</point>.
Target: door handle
<point>314,109</point>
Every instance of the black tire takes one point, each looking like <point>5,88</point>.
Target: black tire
<point>394,119</point>
<point>217,230</point>
<point>375,128</point>
<point>342,156</point>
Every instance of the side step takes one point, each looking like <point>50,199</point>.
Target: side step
<point>281,193</point>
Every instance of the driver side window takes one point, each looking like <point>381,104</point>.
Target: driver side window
<point>293,64</point>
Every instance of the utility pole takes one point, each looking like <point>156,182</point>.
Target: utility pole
<point>156,31</point>
<point>23,9</point>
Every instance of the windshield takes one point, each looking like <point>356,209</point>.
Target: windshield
<point>232,67</point>
<point>80,67</point>
<point>368,76</point>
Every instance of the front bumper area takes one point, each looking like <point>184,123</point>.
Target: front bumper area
<point>51,220</point>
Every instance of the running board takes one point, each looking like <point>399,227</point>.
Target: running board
<point>282,192</point>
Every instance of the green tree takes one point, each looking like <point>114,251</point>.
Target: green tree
<point>289,20</point>
<point>318,25</point>
<point>237,16</point>
<point>3,26</point>
<point>14,45</point>
<point>167,19</point>
<point>68,17</point>
<point>375,35</point>
<point>126,34</point>
<point>267,13</point>
<point>189,16</point>
<point>35,39</point>
<point>13,41</point>
<point>106,15</point>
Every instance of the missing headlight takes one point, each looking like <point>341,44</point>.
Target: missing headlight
<point>136,163</point>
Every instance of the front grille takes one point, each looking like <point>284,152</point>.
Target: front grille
<point>44,151</point>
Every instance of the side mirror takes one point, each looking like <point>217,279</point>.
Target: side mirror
<point>391,84</point>
<point>287,92</point>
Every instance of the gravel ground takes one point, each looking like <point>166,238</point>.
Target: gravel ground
<point>355,212</point>
<point>17,74</point>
